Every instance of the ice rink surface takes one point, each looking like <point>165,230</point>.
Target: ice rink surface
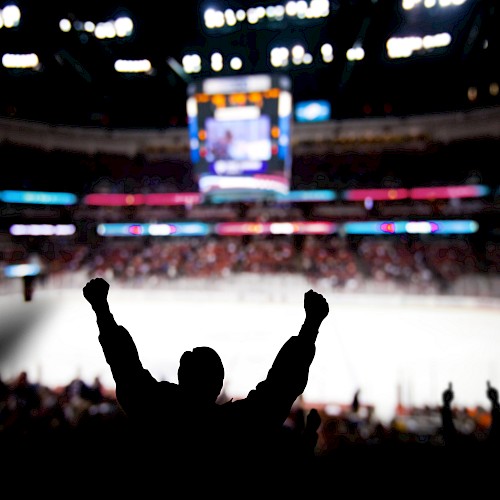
<point>388,350</point>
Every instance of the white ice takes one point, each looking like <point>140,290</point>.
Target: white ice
<point>385,349</point>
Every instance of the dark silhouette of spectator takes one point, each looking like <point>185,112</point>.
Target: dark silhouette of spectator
<point>183,435</point>
<point>452,436</point>
<point>28,287</point>
<point>26,400</point>
<point>310,433</point>
<point>467,454</point>
<point>299,440</point>
<point>494,431</point>
<point>355,402</point>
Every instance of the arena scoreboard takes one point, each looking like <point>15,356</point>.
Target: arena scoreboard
<point>239,134</point>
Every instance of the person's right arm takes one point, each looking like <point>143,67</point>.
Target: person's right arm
<point>117,344</point>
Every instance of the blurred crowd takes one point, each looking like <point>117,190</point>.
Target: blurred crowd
<point>454,266</point>
<point>75,439</point>
<point>31,411</point>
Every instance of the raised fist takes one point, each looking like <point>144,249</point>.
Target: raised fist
<point>492,393</point>
<point>96,292</point>
<point>448,395</point>
<point>316,306</point>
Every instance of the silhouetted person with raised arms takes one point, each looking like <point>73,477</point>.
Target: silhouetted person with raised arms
<point>452,436</point>
<point>184,436</point>
<point>468,459</point>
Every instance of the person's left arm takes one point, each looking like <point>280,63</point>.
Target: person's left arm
<point>289,373</point>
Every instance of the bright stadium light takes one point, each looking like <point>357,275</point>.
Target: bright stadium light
<point>327,52</point>
<point>65,25</point>
<point>123,26</point>
<point>216,19</point>
<point>402,47</point>
<point>406,46</point>
<point>275,12</point>
<point>307,59</point>
<point>409,4</point>
<point>216,61</point>
<point>89,26</point>
<point>21,61</point>
<point>213,18</point>
<point>355,54</point>
<point>291,9</point>
<point>448,3</point>
<point>301,9</point>
<point>133,66</point>
<point>230,17</point>
<point>435,41</point>
<point>298,53</point>
<point>319,8</point>
<point>253,16</point>
<point>191,63</point>
<point>279,57</point>
<point>429,4</point>
<point>236,63</point>
<point>105,30</point>
<point>11,16</point>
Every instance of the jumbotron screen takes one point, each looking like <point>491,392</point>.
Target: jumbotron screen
<point>239,134</point>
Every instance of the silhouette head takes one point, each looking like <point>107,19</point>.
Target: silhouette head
<point>201,374</point>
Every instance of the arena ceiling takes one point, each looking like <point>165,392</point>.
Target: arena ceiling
<point>75,81</point>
